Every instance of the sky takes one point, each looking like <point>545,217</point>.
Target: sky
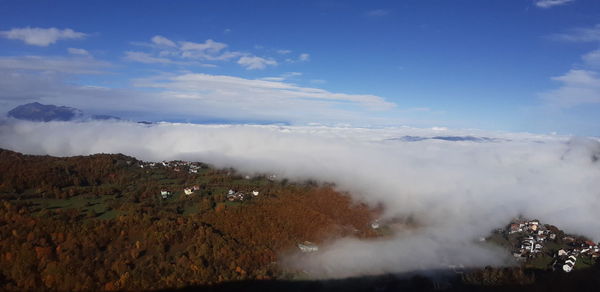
<point>519,65</point>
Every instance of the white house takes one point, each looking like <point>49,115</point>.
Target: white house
<point>188,191</point>
<point>165,194</point>
<point>255,193</point>
<point>568,267</point>
<point>308,246</point>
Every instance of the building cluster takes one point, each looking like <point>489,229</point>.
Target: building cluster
<point>533,236</point>
<point>234,196</point>
<point>566,258</point>
<point>165,194</point>
<point>177,165</point>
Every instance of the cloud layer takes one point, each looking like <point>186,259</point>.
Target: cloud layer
<point>456,191</point>
<point>551,3</point>
<point>42,37</point>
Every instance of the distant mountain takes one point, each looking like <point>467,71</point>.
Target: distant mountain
<point>105,117</point>
<point>448,138</point>
<point>38,112</point>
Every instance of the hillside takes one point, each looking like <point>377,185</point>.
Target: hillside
<point>112,222</point>
<point>100,222</point>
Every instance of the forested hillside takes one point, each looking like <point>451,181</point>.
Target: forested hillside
<point>100,222</point>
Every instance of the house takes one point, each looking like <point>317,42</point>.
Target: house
<point>568,267</point>
<point>562,252</point>
<point>195,188</point>
<point>165,194</point>
<point>233,196</point>
<point>188,191</point>
<point>193,170</point>
<point>514,228</point>
<point>240,196</point>
<point>375,225</point>
<point>255,193</point>
<point>308,246</point>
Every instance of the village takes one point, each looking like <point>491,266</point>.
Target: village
<point>194,168</point>
<point>531,240</point>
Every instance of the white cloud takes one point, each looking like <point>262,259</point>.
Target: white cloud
<point>41,36</point>
<point>231,90</point>
<point>283,52</point>
<point>551,3</point>
<point>579,87</point>
<point>304,57</point>
<point>283,77</point>
<point>209,50</point>
<point>184,96</point>
<point>76,51</point>
<point>592,58</point>
<point>254,62</point>
<point>163,41</point>
<point>54,64</point>
<point>455,191</point>
<point>146,58</point>
<point>377,13</point>
<point>588,34</point>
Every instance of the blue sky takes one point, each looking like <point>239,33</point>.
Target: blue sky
<point>520,65</point>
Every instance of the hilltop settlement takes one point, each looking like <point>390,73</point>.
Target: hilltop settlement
<point>544,246</point>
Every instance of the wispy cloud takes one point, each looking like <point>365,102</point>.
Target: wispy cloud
<point>579,87</point>
<point>254,62</point>
<point>592,58</point>
<point>236,92</point>
<point>551,3</point>
<point>283,77</point>
<point>377,13</point>
<point>42,37</point>
<point>163,41</point>
<point>582,34</point>
<point>69,65</point>
<point>304,57</point>
<point>146,58</point>
<point>80,52</point>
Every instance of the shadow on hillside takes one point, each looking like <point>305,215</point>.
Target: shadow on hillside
<point>585,280</point>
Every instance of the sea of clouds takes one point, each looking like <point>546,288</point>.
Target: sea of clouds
<point>458,185</point>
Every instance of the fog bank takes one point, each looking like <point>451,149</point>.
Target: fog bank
<point>457,189</point>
